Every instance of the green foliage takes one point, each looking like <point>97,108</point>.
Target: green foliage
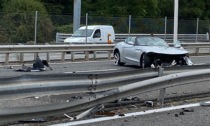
<point>18,21</point>
<point>64,29</point>
<point>58,6</point>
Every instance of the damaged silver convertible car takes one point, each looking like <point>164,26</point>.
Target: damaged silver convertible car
<point>149,52</point>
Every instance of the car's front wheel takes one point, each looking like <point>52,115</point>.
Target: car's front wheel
<point>145,61</point>
<point>117,59</point>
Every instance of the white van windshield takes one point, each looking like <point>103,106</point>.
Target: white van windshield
<point>82,33</point>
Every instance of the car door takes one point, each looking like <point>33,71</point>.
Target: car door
<point>97,36</point>
<point>129,51</point>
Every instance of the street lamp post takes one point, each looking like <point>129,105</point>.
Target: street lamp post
<point>176,7</point>
<point>77,14</point>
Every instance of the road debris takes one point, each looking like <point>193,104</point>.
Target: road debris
<point>188,110</point>
<point>105,113</point>
<point>149,103</point>
<point>37,120</point>
<point>76,97</point>
<point>71,118</point>
<point>176,115</point>
<point>38,65</point>
<point>89,112</point>
<point>121,114</point>
<point>181,113</point>
<point>205,103</point>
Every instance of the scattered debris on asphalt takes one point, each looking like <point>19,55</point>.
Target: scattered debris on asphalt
<point>76,97</point>
<point>176,115</point>
<point>38,65</point>
<point>71,118</point>
<point>149,103</point>
<point>89,112</point>
<point>121,114</point>
<point>181,113</point>
<point>37,120</point>
<point>188,110</point>
<point>205,103</point>
<point>105,113</point>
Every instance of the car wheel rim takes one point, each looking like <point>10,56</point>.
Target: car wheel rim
<point>116,57</point>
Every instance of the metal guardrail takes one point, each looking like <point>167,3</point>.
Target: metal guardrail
<point>8,49</point>
<point>62,83</point>
<point>52,84</point>
<point>86,48</point>
<point>168,37</point>
<point>166,81</point>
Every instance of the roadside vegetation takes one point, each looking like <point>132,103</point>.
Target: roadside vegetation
<point>18,17</point>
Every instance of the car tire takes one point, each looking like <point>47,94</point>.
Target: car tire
<point>117,59</point>
<point>145,61</point>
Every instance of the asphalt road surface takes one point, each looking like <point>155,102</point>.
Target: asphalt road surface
<point>200,116</point>
<point>83,66</point>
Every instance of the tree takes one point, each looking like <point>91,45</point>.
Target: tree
<point>18,21</point>
<point>58,6</point>
<point>192,8</point>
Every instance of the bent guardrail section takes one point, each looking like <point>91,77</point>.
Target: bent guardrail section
<point>166,81</point>
<point>65,83</point>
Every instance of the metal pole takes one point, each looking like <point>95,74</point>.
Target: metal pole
<point>197,29</point>
<point>35,32</point>
<point>77,14</point>
<point>129,29</point>
<point>176,7</point>
<point>86,28</point>
<point>165,27</point>
<point>163,90</point>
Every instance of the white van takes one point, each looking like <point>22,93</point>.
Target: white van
<point>95,34</point>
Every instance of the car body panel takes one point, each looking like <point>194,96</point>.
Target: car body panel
<point>131,52</point>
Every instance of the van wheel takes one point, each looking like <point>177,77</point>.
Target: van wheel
<point>117,59</point>
<point>145,61</point>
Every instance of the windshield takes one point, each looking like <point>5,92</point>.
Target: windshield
<point>82,33</point>
<point>151,41</point>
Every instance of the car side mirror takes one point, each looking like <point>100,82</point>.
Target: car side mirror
<point>131,43</point>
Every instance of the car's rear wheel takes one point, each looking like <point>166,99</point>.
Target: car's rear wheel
<point>117,59</point>
<point>145,61</point>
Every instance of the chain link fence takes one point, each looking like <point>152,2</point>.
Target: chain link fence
<point>20,27</point>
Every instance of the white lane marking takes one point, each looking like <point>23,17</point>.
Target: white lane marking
<point>92,71</point>
<point>128,115</point>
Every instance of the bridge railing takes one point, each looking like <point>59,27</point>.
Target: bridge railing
<point>83,50</point>
<point>168,37</point>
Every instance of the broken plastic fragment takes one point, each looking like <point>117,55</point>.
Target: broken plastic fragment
<point>149,103</point>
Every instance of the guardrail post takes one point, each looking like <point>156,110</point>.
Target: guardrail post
<point>21,57</point>
<point>196,51</point>
<point>6,59</point>
<point>162,91</point>
<point>94,55</point>
<point>47,54</point>
<point>109,55</point>
<point>86,55</point>
<point>48,57</point>
<point>72,56</point>
<point>35,55</point>
<point>63,56</point>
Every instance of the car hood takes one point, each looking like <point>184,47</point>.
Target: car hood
<point>75,40</point>
<point>163,50</point>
